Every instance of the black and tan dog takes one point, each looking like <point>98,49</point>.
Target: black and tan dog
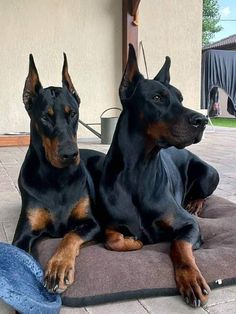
<point>56,189</point>
<point>149,180</point>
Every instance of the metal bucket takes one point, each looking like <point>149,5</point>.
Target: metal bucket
<point>108,125</point>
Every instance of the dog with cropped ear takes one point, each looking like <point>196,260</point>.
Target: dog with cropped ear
<point>150,184</point>
<point>56,189</point>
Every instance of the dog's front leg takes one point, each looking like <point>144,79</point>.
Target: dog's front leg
<point>61,267</point>
<point>190,282</point>
<point>60,270</point>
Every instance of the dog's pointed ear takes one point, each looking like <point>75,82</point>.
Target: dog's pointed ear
<point>32,84</point>
<point>66,80</point>
<point>163,75</point>
<point>131,75</point>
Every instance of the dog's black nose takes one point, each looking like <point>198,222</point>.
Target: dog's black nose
<point>68,152</point>
<point>197,120</point>
<point>69,157</point>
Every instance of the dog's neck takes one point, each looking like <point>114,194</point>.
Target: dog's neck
<point>130,145</point>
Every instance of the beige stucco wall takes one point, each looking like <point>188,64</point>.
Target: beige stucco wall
<point>173,28</point>
<point>90,32</point>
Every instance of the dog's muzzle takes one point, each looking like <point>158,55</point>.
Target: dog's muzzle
<point>198,120</point>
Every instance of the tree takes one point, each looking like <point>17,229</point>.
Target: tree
<point>211,18</point>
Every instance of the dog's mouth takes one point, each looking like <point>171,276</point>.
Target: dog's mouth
<point>181,138</point>
<point>187,137</point>
<point>178,134</point>
<point>58,162</point>
<point>72,161</point>
<point>55,162</point>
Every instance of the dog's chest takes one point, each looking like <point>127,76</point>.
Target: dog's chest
<point>156,194</point>
<point>64,216</point>
<point>157,179</point>
<point>64,205</point>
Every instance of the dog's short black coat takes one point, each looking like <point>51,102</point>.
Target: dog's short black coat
<point>57,191</point>
<point>150,185</point>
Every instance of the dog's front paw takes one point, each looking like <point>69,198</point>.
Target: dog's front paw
<point>192,286</point>
<point>116,241</point>
<point>195,207</point>
<point>59,274</point>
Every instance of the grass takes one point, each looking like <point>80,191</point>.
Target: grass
<point>225,122</point>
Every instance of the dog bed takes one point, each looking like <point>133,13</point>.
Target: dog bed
<point>104,276</point>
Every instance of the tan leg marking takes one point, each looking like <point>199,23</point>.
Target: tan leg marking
<point>60,270</point>
<point>116,241</point>
<point>189,280</point>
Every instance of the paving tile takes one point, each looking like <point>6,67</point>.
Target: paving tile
<point>13,172</point>
<point>15,153</point>
<point>223,308</point>
<point>222,295</point>
<point>7,184</point>
<point>7,158</point>
<point>71,310</point>
<point>169,305</point>
<point>5,308</point>
<point>233,288</point>
<point>9,229</point>
<point>10,204</point>
<point>128,307</point>
<point>3,237</point>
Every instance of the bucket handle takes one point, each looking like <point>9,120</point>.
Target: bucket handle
<point>108,110</point>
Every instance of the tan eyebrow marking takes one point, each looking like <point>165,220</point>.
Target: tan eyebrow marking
<point>67,109</point>
<point>50,111</point>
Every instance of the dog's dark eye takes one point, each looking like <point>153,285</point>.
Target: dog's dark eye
<point>181,98</point>
<point>157,98</point>
<point>45,118</point>
<point>73,114</point>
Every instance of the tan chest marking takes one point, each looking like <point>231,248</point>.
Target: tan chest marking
<point>81,208</point>
<point>39,218</point>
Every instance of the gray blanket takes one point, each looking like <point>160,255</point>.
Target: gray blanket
<point>219,69</point>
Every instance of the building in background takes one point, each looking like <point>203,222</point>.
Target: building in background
<point>90,32</point>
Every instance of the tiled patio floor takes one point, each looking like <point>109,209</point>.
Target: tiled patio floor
<point>217,148</point>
